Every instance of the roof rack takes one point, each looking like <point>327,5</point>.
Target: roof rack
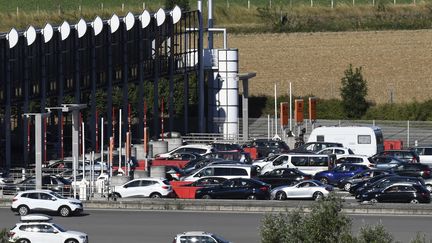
<point>36,218</point>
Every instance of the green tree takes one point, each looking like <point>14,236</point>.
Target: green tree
<point>324,223</point>
<point>353,92</point>
<point>183,4</point>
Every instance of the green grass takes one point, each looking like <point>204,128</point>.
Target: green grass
<point>235,14</point>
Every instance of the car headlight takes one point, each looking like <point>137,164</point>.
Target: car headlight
<point>82,236</point>
<point>75,203</point>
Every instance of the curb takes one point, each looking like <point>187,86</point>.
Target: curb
<point>245,206</point>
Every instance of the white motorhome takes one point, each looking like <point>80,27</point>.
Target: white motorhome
<point>361,140</point>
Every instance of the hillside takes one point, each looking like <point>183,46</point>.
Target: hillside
<point>392,61</point>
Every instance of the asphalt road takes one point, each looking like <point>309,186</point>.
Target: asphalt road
<point>160,227</point>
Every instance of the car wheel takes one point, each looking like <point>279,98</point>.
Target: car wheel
<point>429,187</point>
<point>281,196</point>
<point>324,180</point>
<point>23,210</point>
<point>71,241</point>
<point>347,187</point>
<point>22,241</point>
<point>64,211</point>
<point>206,196</point>
<point>374,200</point>
<point>252,197</point>
<point>318,195</point>
<point>155,195</point>
<point>116,196</point>
<point>414,201</point>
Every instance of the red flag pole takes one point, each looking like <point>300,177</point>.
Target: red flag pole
<point>45,139</point>
<point>113,123</point>
<point>62,137</point>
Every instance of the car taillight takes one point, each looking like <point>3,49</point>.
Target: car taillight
<point>426,173</point>
<point>307,177</point>
<point>14,199</point>
<point>11,234</point>
<point>264,188</point>
<point>414,160</point>
<point>165,187</point>
<point>178,175</point>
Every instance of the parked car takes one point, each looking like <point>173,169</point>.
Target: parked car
<point>266,147</point>
<point>198,163</point>
<point>233,147</point>
<point>226,171</point>
<point>425,153</point>
<point>207,182</point>
<point>309,189</point>
<point>428,184</point>
<point>143,187</point>
<point>355,187</point>
<point>45,201</point>
<point>198,237</point>
<point>237,188</point>
<point>185,156</point>
<point>365,175</point>
<point>384,182</point>
<point>409,156</point>
<point>313,147</point>
<point>190,148</point>
<point>387,162</point>
<point>173,173</point>
<point>283,176</point>
<point>355,159</point>
<point>54,183</point>
<point>39,228</point>
<point>398,193</point>
<point>338,151</point>
<point>339,172</point>
<point>414,170</point>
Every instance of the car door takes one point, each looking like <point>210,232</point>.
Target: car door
<point>305,190</point>
<point>226,190</point>
<point>131,189</point>
<point>297,190</point>
<point>390,194</point>
<point>33,202</point>
<point>43,233</point>
<point>48,201</point>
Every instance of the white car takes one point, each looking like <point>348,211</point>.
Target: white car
<point>45,200</point>
<point>198,236</point>
<point>355,159</point>
<point>338,151</point>
<point>263,162</point>
<point>200,149</point>
<point>38,228</point>
<point>310,189</point>
<point>143,187</point>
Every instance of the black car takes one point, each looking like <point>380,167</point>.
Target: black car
<point>415,170</point>
<point>398,193</point>
<point>54,183</point>
<point>313,147</point>
<point>237,188</point>
<point>409,156</point>
<point>198,163</point>
<point>385,182</point>
<point>266,147</point>
<point>361,184</point>
<point>283,176</point>
<point>346,183</point>
<point>208,182</point>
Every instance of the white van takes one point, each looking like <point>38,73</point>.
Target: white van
<point>225,171</point>
<point>361,140</point>
<point>307,163</point>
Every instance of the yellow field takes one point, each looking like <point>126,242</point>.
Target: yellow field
<point>397,62</point>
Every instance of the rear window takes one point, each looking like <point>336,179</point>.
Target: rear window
<point>319,161</point>
<point>364,139</point>
<point>238,171</point>
<point>166,182</point>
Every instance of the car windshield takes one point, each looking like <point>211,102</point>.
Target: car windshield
<point>59,228</point>
<point>57,195</point>
<point>220,239</point>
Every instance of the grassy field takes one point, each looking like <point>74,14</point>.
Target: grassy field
<point>395,63</point>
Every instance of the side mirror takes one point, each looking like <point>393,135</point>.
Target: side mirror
<point>55,232</point>
<point>54,199</point>
<point>125,186</point>
<point>199,175</point>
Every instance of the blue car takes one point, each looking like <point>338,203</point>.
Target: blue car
<point>339,172</point>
